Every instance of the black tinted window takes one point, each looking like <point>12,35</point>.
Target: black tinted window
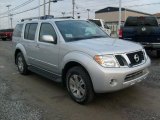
<point>47,29</point>
<point>141,21</point>
<point>18,30</point>
<point>30,31</point>
<point>26,31</point>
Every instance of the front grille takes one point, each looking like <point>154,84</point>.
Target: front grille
<point>136,58</point>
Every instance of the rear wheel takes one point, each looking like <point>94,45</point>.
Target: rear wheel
<point>79,85</point>
<point>21,64</point>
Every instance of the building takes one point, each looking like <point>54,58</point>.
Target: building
<point>111,16</point>
<point>158,17</point>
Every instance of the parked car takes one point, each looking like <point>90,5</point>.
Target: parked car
<point>6,34</point>
<point>102,25</point>
<point>144,30</point>
<point>80,55</point>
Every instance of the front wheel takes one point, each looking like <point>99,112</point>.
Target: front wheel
<point>79,85</point>
<point>21,64</point>
<point>3,39</point>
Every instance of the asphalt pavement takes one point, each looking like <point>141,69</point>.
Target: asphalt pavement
<point>33,97</point>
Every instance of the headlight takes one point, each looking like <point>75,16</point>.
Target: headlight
<point>106,61</point>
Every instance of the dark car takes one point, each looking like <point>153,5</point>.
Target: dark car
<point>144,30</point>
<point>6,34</point>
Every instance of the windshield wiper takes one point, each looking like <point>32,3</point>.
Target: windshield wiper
<point>96,36</point>
<point>76,39</point>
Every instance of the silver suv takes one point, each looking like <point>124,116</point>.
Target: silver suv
<point>80,55</point>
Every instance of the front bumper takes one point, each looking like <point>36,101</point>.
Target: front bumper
<point>114,79</point>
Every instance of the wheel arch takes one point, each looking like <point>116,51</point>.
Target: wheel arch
<point>70,65</point>
<point>19,48</point>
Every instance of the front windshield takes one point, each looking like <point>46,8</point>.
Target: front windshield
<point>73,30</point>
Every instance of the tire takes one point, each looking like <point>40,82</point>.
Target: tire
<point>79,85</point>
<point>158,53</point>
<point>3,39</point>
<point>21,64</point>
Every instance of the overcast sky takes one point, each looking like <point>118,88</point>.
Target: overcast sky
<point>66,6</point>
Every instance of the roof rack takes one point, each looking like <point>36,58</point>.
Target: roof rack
<point>67,17</point>
<point>41,18</point>
<point>46,17</point>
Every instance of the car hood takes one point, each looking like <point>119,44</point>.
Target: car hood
<point>106,46</point>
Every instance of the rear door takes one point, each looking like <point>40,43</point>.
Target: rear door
<point>29,42</point>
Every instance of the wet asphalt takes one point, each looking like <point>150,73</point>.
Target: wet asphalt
<point>33,97</point>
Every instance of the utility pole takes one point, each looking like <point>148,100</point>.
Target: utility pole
<point>73,3</point>
<point>120,14</point>
<point>88,12</point>
<point>49,7</point>
<point>44,7</point>
<point>8,6</point>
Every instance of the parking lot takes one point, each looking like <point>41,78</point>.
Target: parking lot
<point>33,97</point>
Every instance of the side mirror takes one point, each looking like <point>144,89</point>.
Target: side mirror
<point>48,38</point>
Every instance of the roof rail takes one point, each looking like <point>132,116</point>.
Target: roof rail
<point>46,17</point>
<point>67,17</point>
<point>41,18</point>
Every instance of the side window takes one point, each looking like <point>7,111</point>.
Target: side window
<point>18,30</point>
<point>30,31</point>
<point>26,31</point>
<point>47,29</point>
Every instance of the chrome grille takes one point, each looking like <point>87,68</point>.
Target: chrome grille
<point>136,58</point>
<point>130,59</point>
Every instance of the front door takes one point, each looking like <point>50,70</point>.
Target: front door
<point>47,53</point>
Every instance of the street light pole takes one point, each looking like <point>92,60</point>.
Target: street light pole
<point>88,12</point>
<point>44,7</point>
<point>73,3</point>
<point>39,9</point>
<point>120,14</point>
<point>11,18</point>
<point>8,6</point>
<point>49,7</point>
<point>63,13</point>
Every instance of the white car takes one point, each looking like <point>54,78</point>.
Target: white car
<point>78,54</point>
<point>101,24</point>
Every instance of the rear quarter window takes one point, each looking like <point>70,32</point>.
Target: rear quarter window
<point>30,31</point>
<point>18,30</point>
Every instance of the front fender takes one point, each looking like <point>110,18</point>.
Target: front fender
<point>79,57</point>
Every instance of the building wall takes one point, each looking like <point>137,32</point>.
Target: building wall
<point>109,16</point>
<point>113,16</point>
<point>128,13</point>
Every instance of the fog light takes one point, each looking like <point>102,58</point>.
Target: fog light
<point>113,82</point>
